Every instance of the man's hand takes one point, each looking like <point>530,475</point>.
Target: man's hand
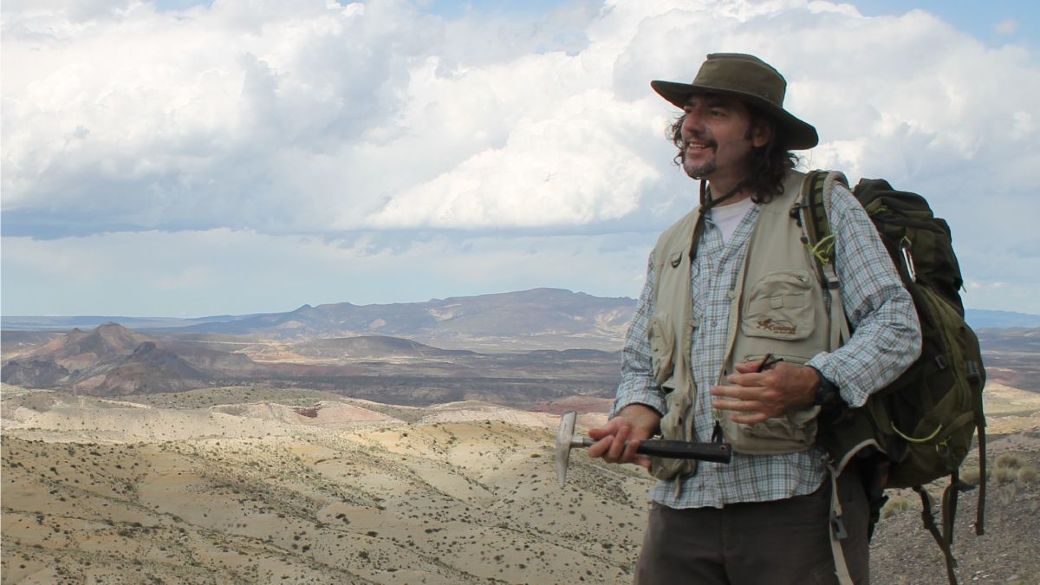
<point>756,396</point>
<point>633,423</point>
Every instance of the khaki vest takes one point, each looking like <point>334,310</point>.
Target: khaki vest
<point>778,307</point>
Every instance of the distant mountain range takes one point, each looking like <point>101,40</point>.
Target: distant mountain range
<point>112,360</point>
<point>542,342</point>
<point>531,319</point>
<point>534,319</point>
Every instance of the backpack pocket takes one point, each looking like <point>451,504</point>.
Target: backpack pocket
<point>780,306</point>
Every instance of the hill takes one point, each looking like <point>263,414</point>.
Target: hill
<point>298,486</point>
<point>106,362</point>
<point>373,347</point>
<point>109,360</point>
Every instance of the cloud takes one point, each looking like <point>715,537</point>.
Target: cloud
<point>1006,27</point>
<point>222,271</point>
<point>320,119</point>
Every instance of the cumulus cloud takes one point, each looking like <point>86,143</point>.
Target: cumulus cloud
<point>224,271</point>
<point>319,119</point>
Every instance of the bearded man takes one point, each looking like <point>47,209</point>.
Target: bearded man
<point>733,339</point>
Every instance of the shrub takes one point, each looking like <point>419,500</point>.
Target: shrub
<point>1009,460</point>
<point>1027,474</point>
<point>896,503</point>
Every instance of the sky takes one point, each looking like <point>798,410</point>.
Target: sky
<point>187,158</point>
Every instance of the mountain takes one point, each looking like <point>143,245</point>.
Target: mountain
<point>78,349</point>
<point>542,318</point>
<point>538,318</point>
<point>147,369</point>
<point>372,346</point>
<point>108,360</point>
<point>984,319</point>
<point>14,343</point>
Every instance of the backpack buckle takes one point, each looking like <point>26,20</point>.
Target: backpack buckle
<point>838,526</point>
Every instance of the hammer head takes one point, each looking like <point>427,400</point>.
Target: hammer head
<point>563,445</point>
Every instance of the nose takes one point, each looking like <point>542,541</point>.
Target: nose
<point>692,123</point>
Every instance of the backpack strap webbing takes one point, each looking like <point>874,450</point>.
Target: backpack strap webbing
<point>943,538</point>
<point>980,429</point>
<point>836,531</point>
<point>814,213</point>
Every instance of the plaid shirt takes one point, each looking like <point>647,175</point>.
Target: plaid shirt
<point>886,341</point>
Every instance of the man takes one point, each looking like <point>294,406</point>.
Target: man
<point>733,340</point>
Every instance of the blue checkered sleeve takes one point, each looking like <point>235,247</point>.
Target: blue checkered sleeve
<point>637,384</point>
<point>887,334</point>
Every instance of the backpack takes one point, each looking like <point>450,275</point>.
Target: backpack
<point>919,428</point>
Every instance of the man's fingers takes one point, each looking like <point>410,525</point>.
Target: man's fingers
<point>747,379</point>
<point>600,447</point>
<point>630,454</point>
<point>747,367</point>
<point>617,446</point>
<point>738,405</point>
<point>749,419</point>
<point>737,392</point>
<point>620,447</point>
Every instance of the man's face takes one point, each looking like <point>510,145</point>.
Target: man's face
<point>718,138</point>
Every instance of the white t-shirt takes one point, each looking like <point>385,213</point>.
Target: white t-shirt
<point>727,217</point>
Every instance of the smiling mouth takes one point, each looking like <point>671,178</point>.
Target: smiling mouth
<point>695,146</point>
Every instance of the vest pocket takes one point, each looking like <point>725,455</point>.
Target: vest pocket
<point>662,347</point>
<point>780,306</point>
<point>790,432</point>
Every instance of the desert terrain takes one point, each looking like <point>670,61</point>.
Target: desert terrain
<point>267,485</point>
<point>315,447</point>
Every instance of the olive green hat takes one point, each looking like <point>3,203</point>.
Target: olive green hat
<point>750,79</point>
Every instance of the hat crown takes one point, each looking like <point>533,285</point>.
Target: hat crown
<point>750,79</point>
<point>743,74</point>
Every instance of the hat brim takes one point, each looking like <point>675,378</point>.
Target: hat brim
<point>798,135</point>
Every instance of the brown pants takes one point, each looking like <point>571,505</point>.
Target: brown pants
<point>770,543</point>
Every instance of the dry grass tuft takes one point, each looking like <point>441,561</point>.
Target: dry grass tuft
<point>896,503</point>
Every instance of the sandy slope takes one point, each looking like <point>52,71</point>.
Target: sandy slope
<point>305,490</point>
<point>258,493</point>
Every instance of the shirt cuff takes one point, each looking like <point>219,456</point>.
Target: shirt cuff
<point>644,396</point>
<point>827,368</point>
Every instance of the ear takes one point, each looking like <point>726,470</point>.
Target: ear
<point>761,133</point>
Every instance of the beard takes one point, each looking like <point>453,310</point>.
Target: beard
<point>698,171</point>
<point>702,169</point>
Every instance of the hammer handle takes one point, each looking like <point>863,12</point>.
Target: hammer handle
<point>718,452</point>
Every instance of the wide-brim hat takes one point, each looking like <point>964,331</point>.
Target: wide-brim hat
<point>750,79</point>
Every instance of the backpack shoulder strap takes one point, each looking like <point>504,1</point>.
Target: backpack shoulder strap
<point>814,207</point>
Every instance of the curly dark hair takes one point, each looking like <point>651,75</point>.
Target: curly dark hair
<point>771,161</point>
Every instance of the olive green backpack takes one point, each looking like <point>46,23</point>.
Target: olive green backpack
<point>920,427</point>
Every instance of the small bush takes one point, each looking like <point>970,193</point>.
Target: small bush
<point>970,475</point>
<point>1005,475</point>
<point>1027,475</point>
<point>896,503</point>
<point>1009,460</point>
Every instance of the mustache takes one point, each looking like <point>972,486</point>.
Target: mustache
<point>699,138</point>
